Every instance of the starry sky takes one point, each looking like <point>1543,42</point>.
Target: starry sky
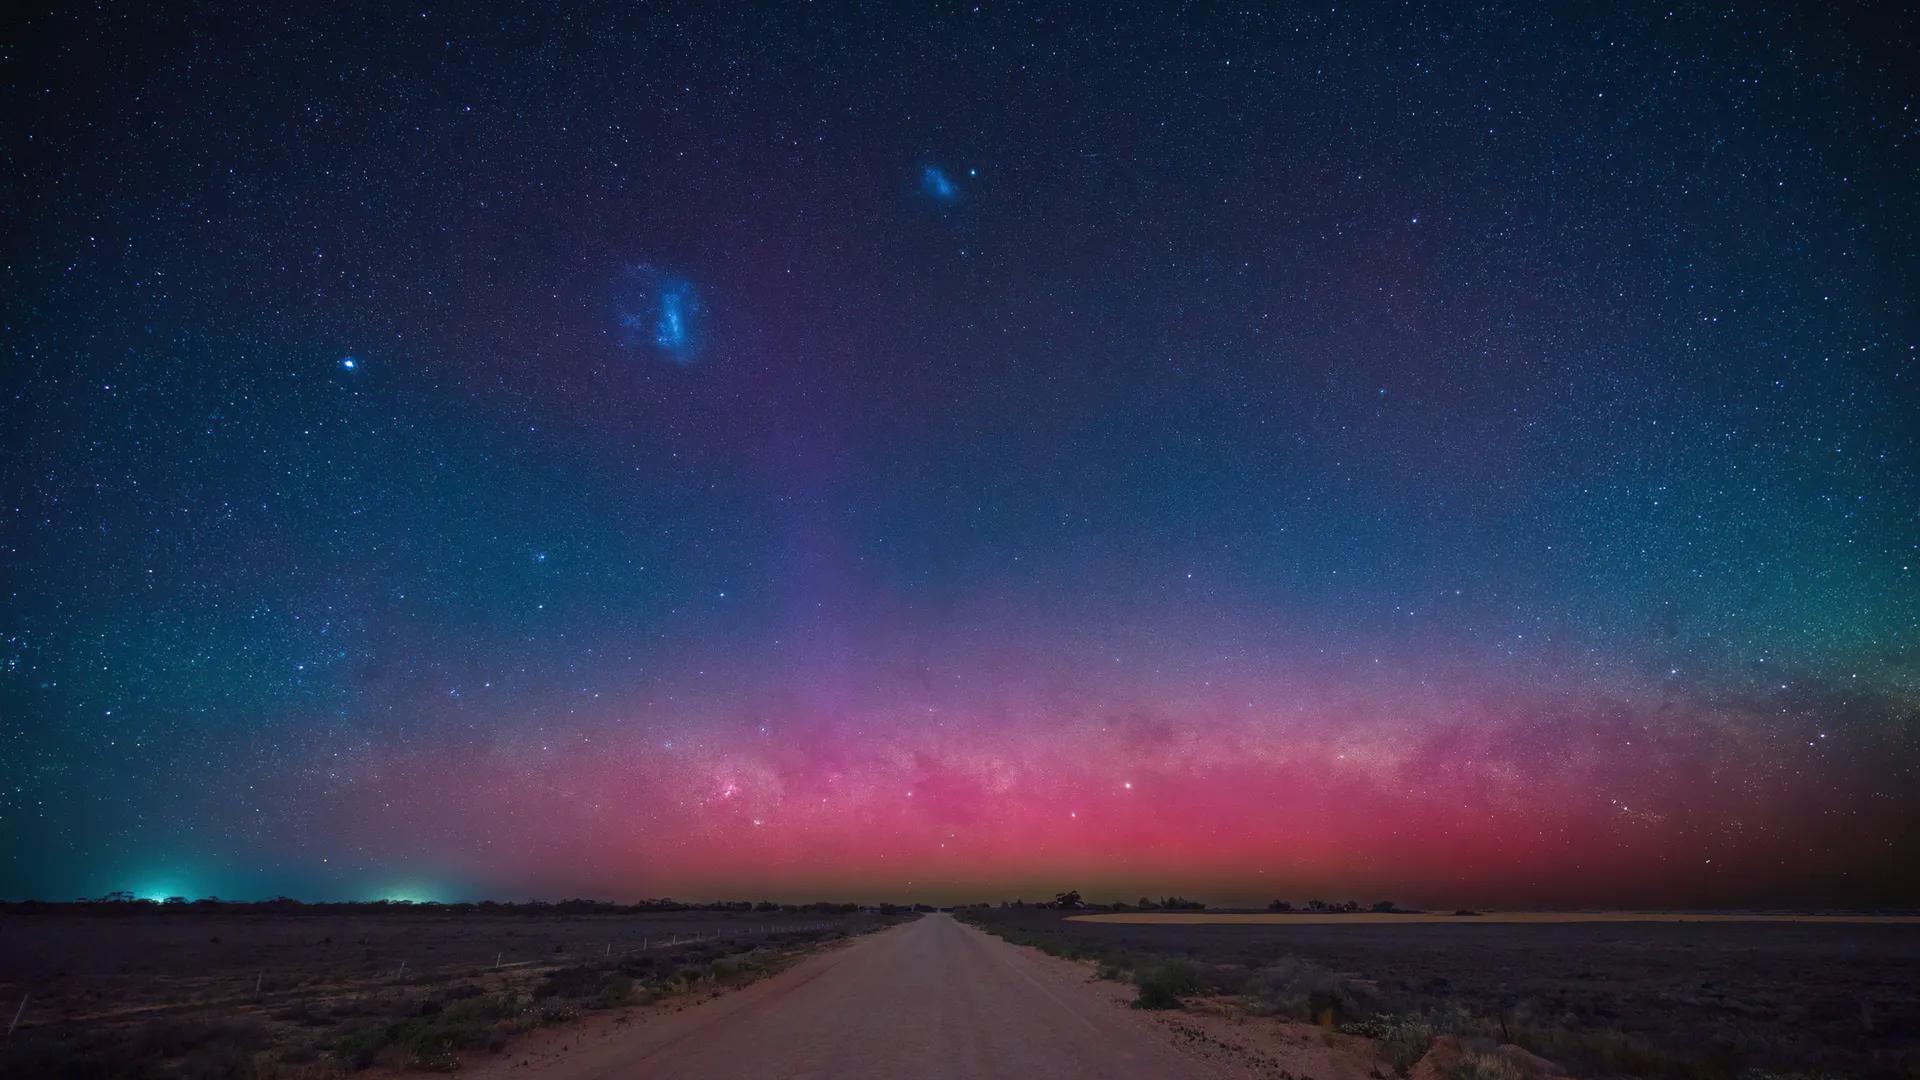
<point>1461,454</point>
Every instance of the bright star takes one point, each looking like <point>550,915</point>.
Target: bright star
<point>349,363</point>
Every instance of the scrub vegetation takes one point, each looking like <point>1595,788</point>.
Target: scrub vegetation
<point>203,993</point>
<point>1680,1000</point>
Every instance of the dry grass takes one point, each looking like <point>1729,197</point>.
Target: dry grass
<point>1643,994</point>
<point>1221,918</point>
<point>192,998</point>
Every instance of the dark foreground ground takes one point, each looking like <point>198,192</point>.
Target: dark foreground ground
<point>278,997</point>
<point>1603,999</point>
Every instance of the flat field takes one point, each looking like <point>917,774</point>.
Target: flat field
<point>1601,995</point>
<point>211,994</point>
<point>1430,918</point>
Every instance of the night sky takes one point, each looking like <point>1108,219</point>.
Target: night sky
<point>1460,455</point>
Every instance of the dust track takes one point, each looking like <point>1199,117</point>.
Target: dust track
<point>932,999</point>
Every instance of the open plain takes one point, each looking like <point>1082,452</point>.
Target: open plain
<point>219,994</point>
<point>719,994</point>
<point>1599,993</point>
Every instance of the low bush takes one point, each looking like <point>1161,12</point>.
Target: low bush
<point>1405,1043</point>
<point>1403,1039</point>
<point>615,990</point>
<point>1293,987</point>
<point>569,982</point>
<point>1610,1051</point>
<point>1485,1067</point>
<point>1162,986</point>
<point>430,1041</point>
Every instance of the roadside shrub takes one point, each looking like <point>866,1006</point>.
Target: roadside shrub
<point>473,1024</point>
<point>359,1045</point>
<point>1162,986</point>
<point>430,1041</point>
<point>1406,1042</point>
<point>1451,1018</point>
<point>1608,1050</point>
<point>1304,991</point>
<point>568,982</point>
<point>1485,1067</point>
<point>614,991</point>
<point>1403,1039</point>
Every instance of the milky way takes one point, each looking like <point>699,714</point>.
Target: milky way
<point>1461,458</point>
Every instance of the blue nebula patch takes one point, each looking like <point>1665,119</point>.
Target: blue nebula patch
<point>938,186</point>
<point>659,313</point>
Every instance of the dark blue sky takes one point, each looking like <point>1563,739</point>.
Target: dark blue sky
<point>833,401</point>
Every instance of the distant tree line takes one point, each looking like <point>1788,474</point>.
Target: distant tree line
<point>1322,906</point>
<point>1071,900</point>
<point>125,903</point>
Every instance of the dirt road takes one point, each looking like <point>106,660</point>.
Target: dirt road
<point>933,999</point>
